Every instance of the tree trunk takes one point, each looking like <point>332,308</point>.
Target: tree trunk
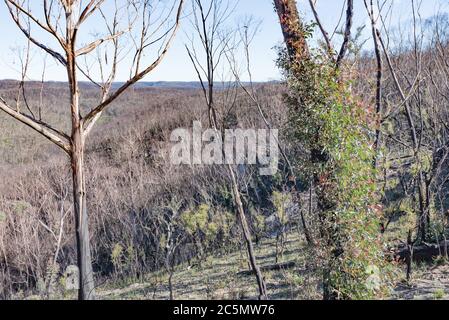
<point>292,30</point>
<point>409,257</point>
<point>86,290</point>
<point>424,217</point>
<point>86,279</point>
<point>170,284</point>
<point>247,235</point>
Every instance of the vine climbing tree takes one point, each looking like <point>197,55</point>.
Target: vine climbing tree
<point>335,129</point>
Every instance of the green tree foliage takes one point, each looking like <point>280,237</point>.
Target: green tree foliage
<point>334,128</point>
<point>280,201</point>
<point>197,220</point>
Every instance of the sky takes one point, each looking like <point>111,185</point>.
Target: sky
<point>177,67</point>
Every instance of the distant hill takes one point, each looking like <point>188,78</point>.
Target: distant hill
<point>183,84</point>
<point>166,84</point>
<point>141,84</point>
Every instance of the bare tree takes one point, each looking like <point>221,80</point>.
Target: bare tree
<point>208,22</point>
<point>173,238</point>
<point>414,122</point>
<point>347,32</point>
<point>62,20</point>
<point>379,74</point>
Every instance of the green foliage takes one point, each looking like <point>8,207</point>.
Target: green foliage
<point>260,222</point>
<point>225,221</point>
<point>403,213</point>
<point>423,163</point>
<point>197,220</point>
<point>326,119</point>
<point>280,201</point>
<point>116,255</point>
<point>122,257</point>
<point>163,241</point>
<point>439,294</point>
<point>21,206</point>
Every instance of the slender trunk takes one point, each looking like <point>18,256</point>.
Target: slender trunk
<point>277,250</point>
<point>409,258</point>
<point>170,284</point>
<point>303,220</point>
<point>379,76</point>
<point>86,289</point>
<point>347,33</point>
<point>424,214</point>
<point>170,269</point>
<point>86,280</point>
<point>283,240</point>
<point>247,235</point>
<point>169,259</point>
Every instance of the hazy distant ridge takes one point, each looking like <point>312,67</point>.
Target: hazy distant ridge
<point>148,84</point>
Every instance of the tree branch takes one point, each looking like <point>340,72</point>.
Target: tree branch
<point>347,34</point>
<point>323,31</point>
<point>92,117</point>
<point>93,45</point>
<point>27,34</point>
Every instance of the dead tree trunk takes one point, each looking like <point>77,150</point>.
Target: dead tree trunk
<point>377,142</point>
<point>248,240</point>
<point>86,280</point>
<point>409,255</point>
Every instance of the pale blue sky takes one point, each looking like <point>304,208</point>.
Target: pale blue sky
<point>176,66</point>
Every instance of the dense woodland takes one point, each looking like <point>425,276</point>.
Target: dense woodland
<point>358,208</point>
